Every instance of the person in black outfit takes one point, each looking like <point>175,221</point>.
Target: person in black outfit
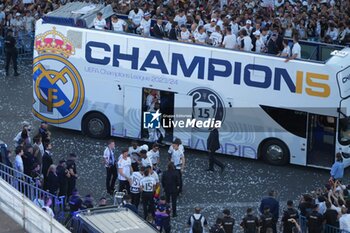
<point>72,168</point>
<point>289,213</point>
<point>305,205</point>
<point>47,162</point>
<point>331,216</point>
<point>315,220</point>
<point>217,227</point>
<point>213,145</point>
<point>266,221</point>
<point>28,160</point>
<point>173,33</point>
<point>11,52</point>
<point>63,175</point>
<point>273,205</point>
<point>272,47</point>
<point>227,221</point>
<point>158,30</point>
<point>52,180</point>
<point>250,222</point>
<point>171,184</point>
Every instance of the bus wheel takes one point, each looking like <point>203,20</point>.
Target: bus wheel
<point>275,152</point>
<point>96,125</point>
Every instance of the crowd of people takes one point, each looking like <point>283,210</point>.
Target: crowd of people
<point>260,26</point>
<point>243,25</point>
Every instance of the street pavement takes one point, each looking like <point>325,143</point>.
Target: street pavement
<point>243,183</point>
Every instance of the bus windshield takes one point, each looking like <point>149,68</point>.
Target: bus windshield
<point>344,131</point>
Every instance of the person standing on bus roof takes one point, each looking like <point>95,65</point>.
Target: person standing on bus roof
<point>111,168</point>
<point>135,17</point>
<point>145,25</point>
<point>213,144</point>
<point>118,25</point>
<point>158,30</point>
<point>296,49</point>
<point>99,22</point>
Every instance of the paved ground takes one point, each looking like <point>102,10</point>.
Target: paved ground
<point>242,184</point>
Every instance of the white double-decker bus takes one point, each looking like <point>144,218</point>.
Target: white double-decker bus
<point>97,82</point>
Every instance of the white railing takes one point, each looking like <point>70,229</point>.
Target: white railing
<point>26,213</point>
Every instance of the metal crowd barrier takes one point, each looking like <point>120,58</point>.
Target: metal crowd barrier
<point>24,45</point>
<point>326,228</point>
<point>26,185</point>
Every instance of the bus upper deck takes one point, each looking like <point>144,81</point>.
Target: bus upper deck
<point>82,14</point>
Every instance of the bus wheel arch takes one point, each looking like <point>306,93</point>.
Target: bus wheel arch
<point>96,125</point>
<point>274,151</point>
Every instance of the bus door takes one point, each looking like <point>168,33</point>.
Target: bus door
<point>132,111</point>
<point>183,107</point>
<point>321,140</point>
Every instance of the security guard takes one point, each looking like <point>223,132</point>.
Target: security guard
<point>11,52</point>
<point>288,214</point>
<point>250,222</point>
<point>315,221</point>
<point>267,223</point>
<point>227,221</point>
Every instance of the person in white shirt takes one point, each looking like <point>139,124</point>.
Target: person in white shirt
<point>344,220</point>
<point>286,49</point>
<point>178,158</point>
<point>245,42</point>
<point>29,22</point>
<point>201,36</point>
<point>145,160</point>
<point>99,22</point>
<point>135,17</point>
<point>296,49</point>
<point>153,155</point>
<point>220,22</point>
<point>47,208</point>
<point>197,216</point>
<point>19,162</point>
<point>118,25</point>
<point>259,43</point>
<point>210,27</point>
<point>181,18</point>
<point>216,37</point>
<point>135,186</point>
<point>230,40</point>
<point>17,24</point>
<point>152,98</point>
<point>248,27</point>
<point>111,168</point>
<point>124,171</point>
<point>145,25</point>
<point>134,154</point>
<point>185,35</point>
<point>332,32</point>
<point>235,27</point>
<point>148,187</point>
